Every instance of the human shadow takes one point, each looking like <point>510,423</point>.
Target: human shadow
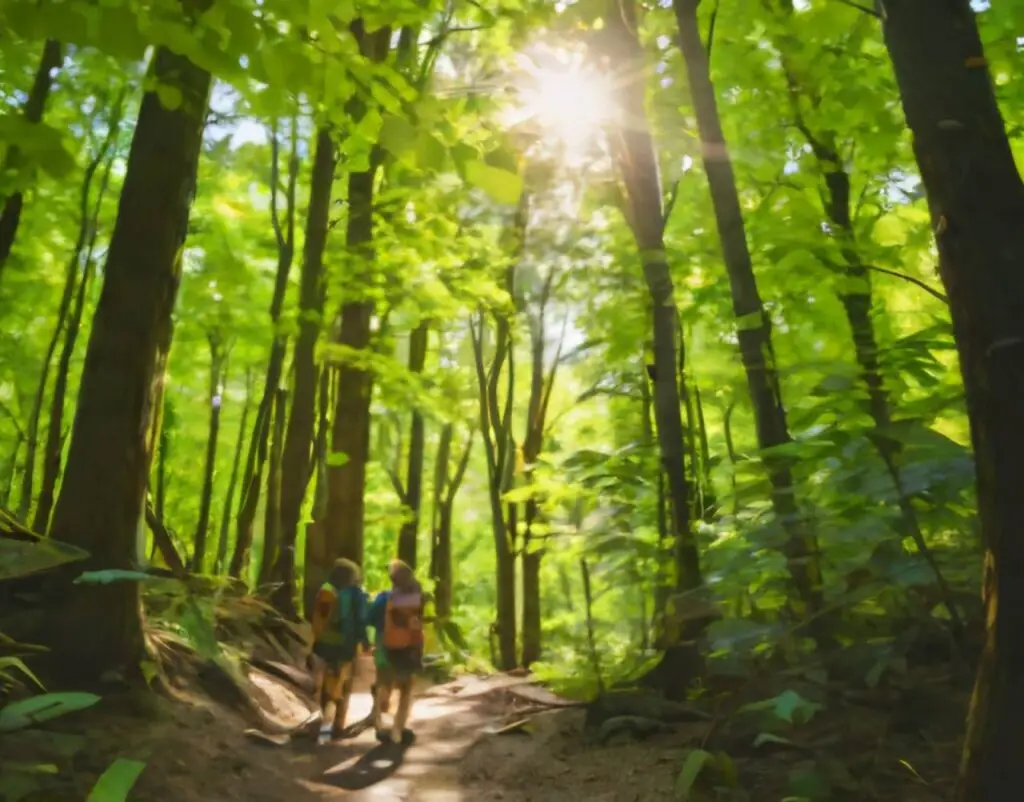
<point>376,765</point>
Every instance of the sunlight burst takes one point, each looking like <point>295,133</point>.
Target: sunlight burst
<point>564,100</point>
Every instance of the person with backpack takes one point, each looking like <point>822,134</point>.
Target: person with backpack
<point>339,629</point>
<point>396,615</point>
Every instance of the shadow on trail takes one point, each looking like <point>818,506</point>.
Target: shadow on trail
<point>376,765</point>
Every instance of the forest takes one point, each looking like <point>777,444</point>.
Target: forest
<point>668,341</point>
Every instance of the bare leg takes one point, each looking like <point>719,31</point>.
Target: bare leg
<point>331,691</point>
<point>343,694</point>
<point>381,704</point>
<point>404,706</point>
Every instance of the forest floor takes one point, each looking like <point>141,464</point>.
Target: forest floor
<point>893,745</point>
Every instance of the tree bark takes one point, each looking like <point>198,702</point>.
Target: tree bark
<point>299,436</point>
<point>284,233</point>
<point>976,198</point>
<point>446,487</point>
<point>272,514</point>
<point>500,447</point>
<point>99,627</point>
<point>229,499</point>
<point>54,446</point>
<point>350,435</point>
<point>633,150</point>
<point>413,491</point>
<point>215,401</point>
<point>10,215</point>
<point>753,326</point>
<point>542,383</point>
<point>857,301</point>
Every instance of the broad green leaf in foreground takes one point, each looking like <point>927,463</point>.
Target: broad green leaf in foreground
<point>37,709</point>
<point>115,783</point>
<point>501,185</point>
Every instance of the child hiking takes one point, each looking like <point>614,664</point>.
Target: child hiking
<point>396,616</point>
<point>339,629</point>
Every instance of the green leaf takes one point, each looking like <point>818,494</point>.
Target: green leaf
<point>430,153</point>
<point>115,783</point>
<point>17,664</point>
<point>768,738</point>
<point>336,459</point>
<point>170,96</point>
<point>501,185</point>
<point>788,706</point>
<point>29,768</point>
<point>37,709</point>
<point>108,575</point>
<point>750,322</point>
<point>397,135</point>
<point>21,558</point>
<point>695,762</point>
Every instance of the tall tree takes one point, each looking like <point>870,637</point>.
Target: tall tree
<point>542,383</point>
<point>500,448</point>
<point>350,435</point>
<point>35,104</point>
<point>637,163</point>
<point>410,491</point>
<point>226,516</point>
<point>86,219</point>
<point>446,488</point>
<point>298,444</point>
<point>284,236</point>
<point>953,115</point>
<point>856,292</point>
<point>753,324</point>
<point>101,501</point>
<point>55,434</point>
<point>215,400</point>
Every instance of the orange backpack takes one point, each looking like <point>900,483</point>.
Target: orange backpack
<point>403,621</point>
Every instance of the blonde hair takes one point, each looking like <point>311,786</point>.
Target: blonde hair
<point>401,575</point>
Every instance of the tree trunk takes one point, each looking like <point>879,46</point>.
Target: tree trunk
<point>256,458</point>
<point>350,435</point>
<point>299,436</point>
<point>855,295</point>
<point>446,487</point>
<point>753,325</point>
<point>500,451</point>
<point>708,497</point>
<point>217,362</point>
<point>100,506</point>
<point>542,383</point>
<point>229,499</point>
<point>409,532</point>
<point>633,149</point>
<point>10,215</point>
<point>284,593</point>
<point>951,109</point>
<point>54,446</point>
<point>63,309</point>
<point>163,458</point>
<point>272,514</point>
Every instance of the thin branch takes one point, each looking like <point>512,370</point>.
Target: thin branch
<point>711,32</point>
<point>916,281</point>
<point>275,180</point>
<point>439,39</point>
<point>852,4</point>
<point>460,471</point>
<point>10,415</point>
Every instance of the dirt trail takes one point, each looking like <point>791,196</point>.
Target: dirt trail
<point>446,719</point>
